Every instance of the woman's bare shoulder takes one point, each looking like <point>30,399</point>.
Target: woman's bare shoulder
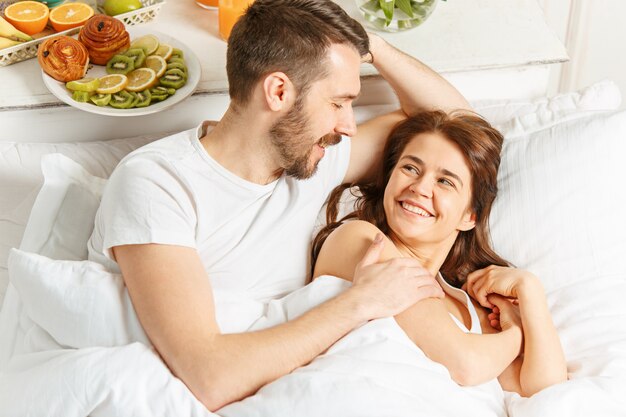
<point>355,228</point>
<point>345,246</point>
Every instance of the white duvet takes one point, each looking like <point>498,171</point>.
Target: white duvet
<point>70,310</point>
<point>54,361</point>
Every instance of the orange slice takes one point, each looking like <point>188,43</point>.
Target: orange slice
<point>28,16</point>
<point>70,15</point>
<point>157,63</point>
<point>164,51</point>
<point>111,84</point>
<point>141,79</point>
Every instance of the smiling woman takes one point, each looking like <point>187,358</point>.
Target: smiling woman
<point>434,161</point>
<point>425,198</point>
<point>432,200</point>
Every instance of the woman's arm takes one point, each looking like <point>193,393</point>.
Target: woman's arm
<point>543,362</point>
<point>471,359</point>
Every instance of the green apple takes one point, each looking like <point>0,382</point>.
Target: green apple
<point>115,7</point>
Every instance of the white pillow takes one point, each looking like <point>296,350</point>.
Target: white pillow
<point>560,214</point>
<point>561,199</point>
<point>62,218</point>
<point>514,118</point>
<point>21,178</point>
<point>78,303</point>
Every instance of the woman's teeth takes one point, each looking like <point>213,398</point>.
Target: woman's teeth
<point>415,209</point>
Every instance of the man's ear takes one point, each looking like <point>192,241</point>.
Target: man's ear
<point>278,91</point>
<point>468,222</point>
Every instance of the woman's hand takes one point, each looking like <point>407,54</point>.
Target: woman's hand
<point>505,281</point>
<point>505,313</point>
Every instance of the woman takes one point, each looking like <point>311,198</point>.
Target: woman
<point>432,202</point>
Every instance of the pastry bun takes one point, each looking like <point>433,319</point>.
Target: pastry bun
<point>104,36</point>
<point>63,58</point>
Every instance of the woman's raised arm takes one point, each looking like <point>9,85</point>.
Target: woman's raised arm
<point>543,362</point>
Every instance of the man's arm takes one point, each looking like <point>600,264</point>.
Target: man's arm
<point>172,296</point>
<point>418,88</point>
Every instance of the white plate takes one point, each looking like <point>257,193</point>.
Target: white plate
<point>193,69</point>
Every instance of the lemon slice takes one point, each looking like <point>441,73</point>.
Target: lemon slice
<point>88,85</point>
<point>156,63</point>
<point>164,51</point>
<point>149,43</point>
<point>112,83</point>
<point>141,79</point>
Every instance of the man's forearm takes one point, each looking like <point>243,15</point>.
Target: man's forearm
<point>418,87</point>
<point>234,366</point>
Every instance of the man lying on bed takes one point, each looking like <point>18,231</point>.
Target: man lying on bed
<point>230,209</point>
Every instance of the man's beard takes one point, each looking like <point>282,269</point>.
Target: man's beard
<point>289,137</point>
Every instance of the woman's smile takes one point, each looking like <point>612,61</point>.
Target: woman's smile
<point>414,208</point>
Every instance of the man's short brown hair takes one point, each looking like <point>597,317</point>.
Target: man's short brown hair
<point>290,36</point>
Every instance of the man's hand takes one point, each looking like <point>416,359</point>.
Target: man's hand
<point>390,287</point>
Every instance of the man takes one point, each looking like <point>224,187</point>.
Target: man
<point>209,224</point>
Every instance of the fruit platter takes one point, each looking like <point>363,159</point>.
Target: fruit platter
<point>16,46</point>
<point>149,73</point>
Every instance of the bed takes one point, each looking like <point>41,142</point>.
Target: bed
<point>71,345</point>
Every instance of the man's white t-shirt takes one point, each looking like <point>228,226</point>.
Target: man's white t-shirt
<point>254,240</point>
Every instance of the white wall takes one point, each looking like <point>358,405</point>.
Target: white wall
<point>594,34</point>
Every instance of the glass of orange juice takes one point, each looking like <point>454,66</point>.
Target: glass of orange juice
<point>208,4</point>
<point>229,12</point>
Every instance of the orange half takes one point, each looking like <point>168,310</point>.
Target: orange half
<point>70,15</point>
<point>30,17</point>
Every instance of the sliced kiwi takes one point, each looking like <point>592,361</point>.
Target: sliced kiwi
<point>177,65</point>
<point>138,55</point>
<point>120,64</point>
<point>155,98</point>
<point>173,78</point>
<point>160,93</point>
<point>122,100</point>
<point>177,53</point>
<point>81,96</point>
<point>159,90</point>
<point>143,98</point>
<point>100,100</point>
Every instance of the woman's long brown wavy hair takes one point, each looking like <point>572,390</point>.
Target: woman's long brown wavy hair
<point>480,144</point>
